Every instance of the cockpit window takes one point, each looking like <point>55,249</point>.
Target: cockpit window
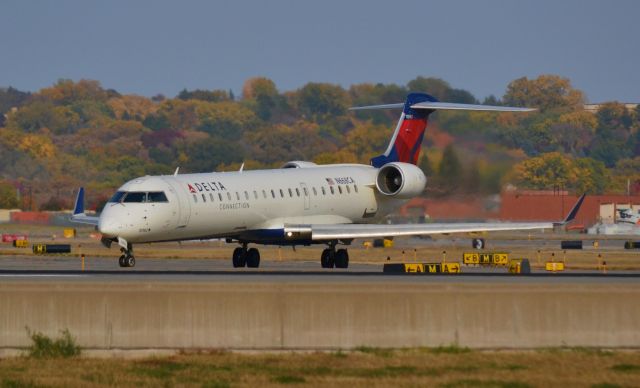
<point>156,196</point>
<point>135,197</point>
<point>139,197</point>
<point>117,197</point>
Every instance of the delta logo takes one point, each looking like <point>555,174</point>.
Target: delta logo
<point>205,186</point>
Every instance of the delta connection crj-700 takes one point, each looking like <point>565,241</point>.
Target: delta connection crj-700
<point>300,204</point>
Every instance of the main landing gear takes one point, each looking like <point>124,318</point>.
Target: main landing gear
<point>334,258</point>
<point>246,257</point>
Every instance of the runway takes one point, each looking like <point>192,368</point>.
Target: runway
<point>68,269</point>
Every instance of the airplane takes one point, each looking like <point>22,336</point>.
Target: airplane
<point>301,203</point>
<point>626,216</point>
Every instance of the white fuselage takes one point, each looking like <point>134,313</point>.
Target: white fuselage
<point>227,204</point>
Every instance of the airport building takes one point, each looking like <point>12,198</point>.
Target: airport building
<point>525,206</point>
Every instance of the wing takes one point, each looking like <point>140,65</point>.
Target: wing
<point>350,231</point>
<point>321,232</point>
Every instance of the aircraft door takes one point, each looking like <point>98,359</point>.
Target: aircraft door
<point>182,206</point>
<point>307,196</point>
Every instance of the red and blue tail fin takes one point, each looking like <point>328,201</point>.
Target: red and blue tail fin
<point>407,139</point>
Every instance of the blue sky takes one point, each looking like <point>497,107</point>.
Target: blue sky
<point>150,47</point>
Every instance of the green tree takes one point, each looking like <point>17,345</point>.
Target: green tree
<point>321,101</point>
<point>8,196</point>
<point>425,165</point>
<point>263,96</point>
<point>226,120</point>
<point>450,173</point>
<point>547,171</point>
<point>205,95</point>
<point>206,155</point>
<point>545,92</point>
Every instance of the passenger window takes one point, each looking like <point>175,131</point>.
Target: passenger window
<point>323,191</point>
<point>246,196</point>
<point>264,194</point>
<point>229,196</point>
<point>348,189</point>
<point>255,194</point>
<point>340,189</point>
<point>237,196</point>
<point>156,196</point>
<point>290,193</point>
<point>306,192</point>
<point>355,188</point>
<point>211,196</point>
<point>281,194</point>
<point>135,197</point>
<point>273,194</point>
<point>314,191</point>
<point>297,192</point>
<point>195,198</point>
<point>332,191</point>
<point>220,197</point>
<point>204,199</point>
<point>117,197</point>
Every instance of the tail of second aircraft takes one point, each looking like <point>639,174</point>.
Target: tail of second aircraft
<point>406,141</point>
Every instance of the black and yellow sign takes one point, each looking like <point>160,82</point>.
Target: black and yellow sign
<point>472,258</point>
<point>422,268</point>
<point>51,248</point>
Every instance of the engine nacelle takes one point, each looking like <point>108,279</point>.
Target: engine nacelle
<point>401,180</point>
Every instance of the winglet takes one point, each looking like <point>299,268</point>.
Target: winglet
<point>572,213</point>
<point>79,207</point>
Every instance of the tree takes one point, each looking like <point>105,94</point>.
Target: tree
<point>263,96</point>
<point>591,176</point>
<point>226,120</point>
<point>441,90</point>
<point>425,165</point>
<point>8,196</point>
<point>321,101</point>
<point>545,92</point>
<point>206,155</point>
<point>205,95</point>
<point>546,171</point>
<point>65,92</point>
<point>450,170</point>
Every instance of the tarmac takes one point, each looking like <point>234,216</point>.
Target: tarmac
<point>65,268</point>
<point>189,303</point>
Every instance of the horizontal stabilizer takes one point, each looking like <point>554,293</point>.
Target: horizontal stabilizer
<point>436,105</point>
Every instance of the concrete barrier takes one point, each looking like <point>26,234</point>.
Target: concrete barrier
<point>116,315</point>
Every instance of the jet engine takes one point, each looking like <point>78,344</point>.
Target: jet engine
<point>401,180</point>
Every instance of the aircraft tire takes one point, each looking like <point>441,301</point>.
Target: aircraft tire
<point>253,258</point>
<point>237,258</point>
<point>477,243</point>
<point>121,261</point>
<point>342,258</point>
<point>326,261</point>
<point>130,261</point>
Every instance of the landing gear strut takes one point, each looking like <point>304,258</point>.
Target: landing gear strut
<point>246,257</point>
<point>334,258</point>
<point>127,259</point>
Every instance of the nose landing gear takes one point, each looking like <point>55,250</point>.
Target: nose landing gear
<point>126,258</point>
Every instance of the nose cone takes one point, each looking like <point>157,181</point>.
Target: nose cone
<point>108,224</point>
